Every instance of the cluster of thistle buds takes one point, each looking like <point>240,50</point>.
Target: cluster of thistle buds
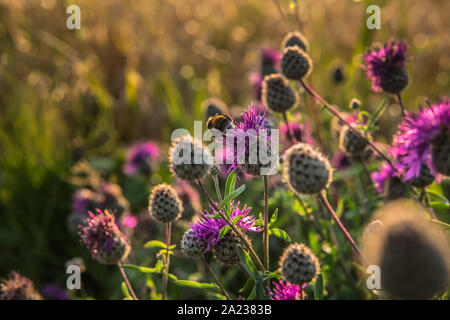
<point>421,151</point>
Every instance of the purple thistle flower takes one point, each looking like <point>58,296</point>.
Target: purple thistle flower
<point>381,178</point>
<point>412,145</point>
<point>285,291</point>
<point>208,228</point>
<point>251,124</point>
<point>341,161</point>
<point>139,158</point>
<point>270,63</point>
<point>103,238</point>
<point>17,287</point>
<point>379,63</point>
<point>84,200</point>
<point>301,133</point>
<point>54,292</point>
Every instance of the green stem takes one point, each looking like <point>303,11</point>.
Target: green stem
<point>127,282</point>
<point>327,106</point>
<point>233,227</point>
<point>166,271</point>
<point>347,235</point>
<point>217,187</point>
<point>219,284</point>
<point>400,102</point>
<point>266,222</point>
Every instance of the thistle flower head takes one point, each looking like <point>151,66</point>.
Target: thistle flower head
<point>17,287</point>
<point>424,137</point>
<point>295,63</point>
<point>208,227</point>
<point>277,94</point>
<point>306,170</point>
<point>245,139</point>
<point>270,61</point>
<point>385,66</point>
<point>192,245</point>
<point>85,200</point>
<point>285,291</point>
<point>295,38</point>
<point>225,249</point>
<point>164,203</point>
<point>298,264</point>
<point>189,160</point>
<point>409,250</point>
<point>140,158</point>
<point>107,244</point>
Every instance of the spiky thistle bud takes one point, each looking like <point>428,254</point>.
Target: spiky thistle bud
<point>410,251</point>
<point>277,93</point>
<point>108,245</point>
<point>306,170</point>
<point>295,38</point>
<point>440,149</point>
<point>189,160</point>
<point>354,104</point>
<point>350,142</point>
<point>225,249</point>
<point>395,81</point>
<point>299,264</point>
<point>164,203</point>
<point>215,169</point>
<point>295,63</point>
<point>425,177</point>
<point>192,245</point>
<point>17,287</point>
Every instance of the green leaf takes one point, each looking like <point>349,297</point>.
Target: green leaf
<point>259,289</point>
<point>313,242</point>
<point>155,244</point>
<point>125,292</point>
<point>373,119</point>
<point>274,274</point>
<point>231,183</point>
<point>237,219</point>
<point>140,269</point>
<point>247,285</point>
<point>280,234</point>
<point>274,217</point>
<point>318,288</point>
<point>231,196</point>
<point>223,231</point>
<point>246,261</point>
<point>194,284</point>
<point>214,216</point>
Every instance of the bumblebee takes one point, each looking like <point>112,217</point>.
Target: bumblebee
<point>220,122</point>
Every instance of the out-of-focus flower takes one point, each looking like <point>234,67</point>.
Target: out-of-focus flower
<point>189,197</point>
<point>107,244</point>
<point>285,291</point>
<point>424,138</point>
<point>341,161</point>
<point>54,292</point>
<point>270,63</point>
<point>85,200</point>
<point>390,180</point>
<point>300,132</point>
<point>17,287</point>
<point>208,228</point>
<point>409,250</point>
<point>112,198</point>
<point>386,66</point>
<point>141,158</point>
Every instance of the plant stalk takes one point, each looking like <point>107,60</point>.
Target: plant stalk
<point>233,227</point>
<point>347,235</point>
<point>166,273</point>
<point>219,284</point>
<point>266,222</point>
<point>127,282</point>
